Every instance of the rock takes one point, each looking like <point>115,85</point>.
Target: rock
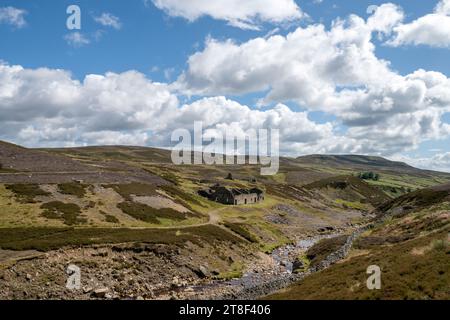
<point>87,289</point>
<point>298,266</point>
<point>175,281</point>
<point>140,298</point>
<point>201,271</point>
<point>29,277</point>
<point>204,271</point>
<point>100,293</point>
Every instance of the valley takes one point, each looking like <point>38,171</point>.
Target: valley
<point>137,227</point>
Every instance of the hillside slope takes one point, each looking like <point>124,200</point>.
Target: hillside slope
<point>16,158</point>
<point>355,162</point>
<point>411,245</point>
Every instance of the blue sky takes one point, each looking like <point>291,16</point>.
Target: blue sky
<point>155,43</point>
<point>149,38</point>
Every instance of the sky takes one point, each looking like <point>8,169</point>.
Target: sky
<point>335,77</point>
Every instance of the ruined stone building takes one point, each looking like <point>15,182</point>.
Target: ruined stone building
<point>233,196</point>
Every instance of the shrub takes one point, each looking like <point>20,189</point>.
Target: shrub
<point>26,193</point>
<point>110,218</point>
<point>45,239</point>
<point>369,176</point>
<point>67,212</point>
<point>148,214</point>
<point>137,189</point>
<point>74,189</point>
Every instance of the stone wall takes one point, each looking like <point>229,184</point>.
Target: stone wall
<point>246,199</point>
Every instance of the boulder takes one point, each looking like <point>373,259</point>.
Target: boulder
<point>100,293</point>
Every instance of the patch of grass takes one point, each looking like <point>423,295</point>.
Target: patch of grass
<point>46,239</point>
<point>240,229</point>
<point>74,189</point>
<point>305,262</point>
<point>25,193</point>
<point>440,245</point>
<point>235,272</point>
<point>351,204</point>
<point>69,213</point>
<point>145,213</point>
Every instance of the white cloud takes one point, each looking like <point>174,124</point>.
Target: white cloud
<point>40,102</point>
<point>432,29</point>
<point>439,161</point>
<point>76,39</point>
<point>46,107</point>
<point>335,71</point>
<point>13,16</point>
<point>385,17</point>
<point>247,14</point>
<point>109,20</point>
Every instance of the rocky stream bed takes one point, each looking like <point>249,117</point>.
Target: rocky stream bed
<point>273,274</point>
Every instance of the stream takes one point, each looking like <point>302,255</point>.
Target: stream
<point>263,279</point>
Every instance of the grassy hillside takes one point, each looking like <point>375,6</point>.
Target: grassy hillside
<point>411,246</point>
<point>131,195</point>
<point>395,178</point>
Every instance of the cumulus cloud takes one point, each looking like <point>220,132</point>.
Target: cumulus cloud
<point>335,71</point>
<point>50,106</point>
<point>242,14</point>
<point>109,20</point>
<point>439,161</point>
<point>13,16</point>
<point>47,107</point>
<point>62,111</point>
<point>385,17</point>
<point>432,29</point>
<point>76,39</point>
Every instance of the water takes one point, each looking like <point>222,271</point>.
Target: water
<point>283,259</point>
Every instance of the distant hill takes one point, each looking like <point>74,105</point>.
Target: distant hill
<point>356,162</point>
<point>17,158</point>
<point>396,178</point>
<point>119,153</point>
